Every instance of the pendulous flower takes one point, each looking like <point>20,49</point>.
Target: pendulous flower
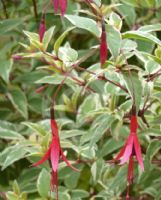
<point>60,4</point>
<point>53,154</point>
<point>131,148</point>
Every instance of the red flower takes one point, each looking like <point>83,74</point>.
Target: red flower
<point>131,148</point>
<point>62,4</point>
<point>53,154</point>
<point>103,46</point>
<point>42,28</point>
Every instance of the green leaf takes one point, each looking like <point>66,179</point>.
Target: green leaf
<point>134,85</point>
<point>61,38</point>
<point>128,45</point>
<point>16,188</point>
<point>7,25</point>
<point>96,170</point>
<point>115,21</point>
<point>153,149</point>
<point>100,126</point>
<point>128,13</point>
<point>109,147</point>
<point>67,54</point>
<point>72,179</point>
<point>9,134</point>
<point>36,127</point>
<point>152,66</point>
<point>43,183</point>
<point>113,40</point>
<point>158,195</point>
<point>119,180</point>
<point>11,196</point>
<point>150,28</point>
<point>131,2</point>
<point>5,69</point>
<point>56,79</point>
<point>71,133</point>
<point>34,39</point>
<point>47,37</point>
<point>32,36</point>
<point>18,152</point>
<point>89,104</point>
<point>141,35</point>
<point>84,23</point>
<point>19,101</point>
<point>79,194</point>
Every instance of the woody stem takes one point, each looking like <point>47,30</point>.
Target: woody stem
<point>35,8</point>
<point>101,77</point>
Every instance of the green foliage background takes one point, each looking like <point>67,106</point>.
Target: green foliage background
<point>93,126</point>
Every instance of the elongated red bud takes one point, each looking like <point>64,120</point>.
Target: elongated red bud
<point>63,6</point>
<point>56,5</point>
<point>103,46</point>
<point>42,28</point>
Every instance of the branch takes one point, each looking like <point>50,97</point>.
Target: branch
<point>4,9</point>
<point>102,77</point>
<point>35,8</point>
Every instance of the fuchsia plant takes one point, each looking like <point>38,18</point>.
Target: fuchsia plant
<point>131,150</point>
<point>98,66</point>
<point>54,153</point>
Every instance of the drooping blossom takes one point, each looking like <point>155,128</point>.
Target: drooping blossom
<point>131,148</point>
<point>60,4</point>
<point>42,28</point>
<point>53,154</point>
<point>103,46</point>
